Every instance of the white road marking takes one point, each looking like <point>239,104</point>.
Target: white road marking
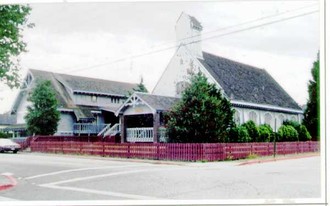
<point>6,199</point>
<point>7,174</point>
<point>99,192</point>
<point>99,176</point>
<point>78,170</point>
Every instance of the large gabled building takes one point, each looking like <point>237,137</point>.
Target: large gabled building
<point>254,94</point>
<point>87,105</point>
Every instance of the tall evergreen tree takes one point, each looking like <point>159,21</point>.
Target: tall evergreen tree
<point>202,115</point>
<point>13,18</point>
<point>43,117</point>
<point>141,87</point>
<point>312,112</point>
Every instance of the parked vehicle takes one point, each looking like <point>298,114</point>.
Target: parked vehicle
<point>9,145</point>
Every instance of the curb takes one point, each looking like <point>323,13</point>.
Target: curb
<point>276,159</point>
<point>12,183</point>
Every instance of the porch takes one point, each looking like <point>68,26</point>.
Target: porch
<point>142,118</point>
<point>87,128</point>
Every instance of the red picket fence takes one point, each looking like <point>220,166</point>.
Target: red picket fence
<point>174,151</point>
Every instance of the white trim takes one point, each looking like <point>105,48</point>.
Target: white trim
<point>64,110</point>
<point>265,106</point>
<point>97,93</point>
<point>135,94</point>
<point>96,112</point>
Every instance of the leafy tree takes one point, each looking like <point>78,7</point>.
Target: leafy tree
<point>312,112</point>
<point>265,133</point>
<point>202,114</point>
<point>287,133</point>
<point>141,87</point>
<point>13,18</point>
<point>239,134</point>
<point>303,134</point>
<point>252,130</point>
<point>43,117</point>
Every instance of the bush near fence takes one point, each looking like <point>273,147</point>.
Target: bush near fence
<point>172,151</point>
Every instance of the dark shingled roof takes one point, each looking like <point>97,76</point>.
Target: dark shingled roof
<point>87,84</point>
<point>246,83</point>
<point>157,102</point>
<point>7,119</point>
<point>82,84</point>
<point>62,95</point>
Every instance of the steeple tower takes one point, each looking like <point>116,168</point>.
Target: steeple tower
<point>188,33</point>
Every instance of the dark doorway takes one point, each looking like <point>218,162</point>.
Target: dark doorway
<point>144,120</point>
<point>110,118</point>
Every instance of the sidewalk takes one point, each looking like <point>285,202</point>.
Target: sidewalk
<point>266,159</point>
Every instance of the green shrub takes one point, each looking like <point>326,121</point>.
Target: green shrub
<point>303,134</point>
<point>252,130</point>
<point>4,135</point>
<point>239,134</point>
<point>287,133</point>
<point>265,133</point>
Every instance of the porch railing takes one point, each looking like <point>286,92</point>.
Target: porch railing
<point>145,134</point>
<point>142,134</point>
<point>87,128</point>
<point>115,129</point>
<point>104,130</point>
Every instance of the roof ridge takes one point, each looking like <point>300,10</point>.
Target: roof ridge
<point>149,94</point>
<point>91,78</point>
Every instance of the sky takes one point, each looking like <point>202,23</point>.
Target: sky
<point>127,41</point>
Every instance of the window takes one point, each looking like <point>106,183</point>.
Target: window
<point>237,117</point>
<point>253,116</point>
<point>94,98</point>
<point>268,119</point>
<point>280,119</point>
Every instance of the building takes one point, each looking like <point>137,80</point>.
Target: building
<point>87,105</point>
<point>254,94</point>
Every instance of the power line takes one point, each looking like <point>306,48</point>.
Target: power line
<point>209,32</point>
<point>261,25</point>
<point>208,38</point>
<point>243,23</point>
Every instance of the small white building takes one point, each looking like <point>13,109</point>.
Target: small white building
<point>254,94</point>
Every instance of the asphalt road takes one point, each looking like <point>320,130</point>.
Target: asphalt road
<point>50,177</point>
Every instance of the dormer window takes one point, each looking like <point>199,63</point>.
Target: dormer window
<point>94,98</point>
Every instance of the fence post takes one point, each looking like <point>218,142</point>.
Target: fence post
<point>158,154</point>
<point>103,149</point>
<point>128,150</point>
